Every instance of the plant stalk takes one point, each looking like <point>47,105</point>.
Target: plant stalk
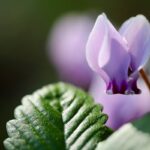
<point>145,78</point>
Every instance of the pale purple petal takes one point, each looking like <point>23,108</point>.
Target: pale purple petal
<point>121,108</point>
<point>66,47</point>
<point>136,30</point>
<point>95,41</point>
<point>107,54</point>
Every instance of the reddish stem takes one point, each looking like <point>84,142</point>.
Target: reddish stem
<point>145,78</point>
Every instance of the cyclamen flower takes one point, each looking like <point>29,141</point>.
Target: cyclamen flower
<point>67,45</point>
<point>117,56</point>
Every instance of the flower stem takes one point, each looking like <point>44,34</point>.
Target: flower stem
<point>145,78</point>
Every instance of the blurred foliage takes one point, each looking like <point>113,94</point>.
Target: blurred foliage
<point>131,136</point>
<point>24,27</point>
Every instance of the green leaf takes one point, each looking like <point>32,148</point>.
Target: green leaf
<point>58,116</point>
<point>132,136</point>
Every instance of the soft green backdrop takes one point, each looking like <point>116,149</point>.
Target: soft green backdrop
<point>24,27</point>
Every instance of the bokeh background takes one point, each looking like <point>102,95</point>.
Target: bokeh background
<point>24,29</point>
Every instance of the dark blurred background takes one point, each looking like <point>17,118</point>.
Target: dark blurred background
<point>24,28</point>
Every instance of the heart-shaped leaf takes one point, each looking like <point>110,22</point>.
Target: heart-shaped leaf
<point>58,116</point>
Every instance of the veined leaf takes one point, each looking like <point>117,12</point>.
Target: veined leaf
<point>57,117</point>
<point>132,136</point>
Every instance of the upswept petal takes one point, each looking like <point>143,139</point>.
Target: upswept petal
<point>107,53</point>
<point>94,44</point>
<point>136,30</point>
